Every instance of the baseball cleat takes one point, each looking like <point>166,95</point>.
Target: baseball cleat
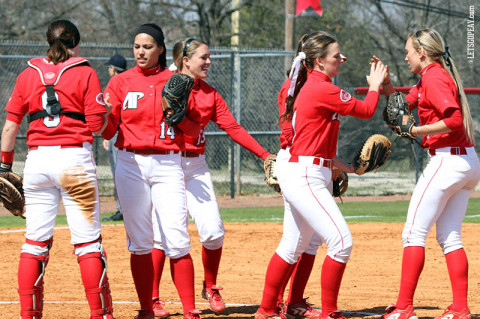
<point>192,314</point>
<point>450,314</point>
<point>392,312</point>
<point>158,309</point>
<point>260,314</point>
<point>301,310</point>
<point>337,314</point>
<point>214,299</point>
<point>144,314</point>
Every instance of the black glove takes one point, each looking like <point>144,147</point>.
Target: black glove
<point>175,98</point>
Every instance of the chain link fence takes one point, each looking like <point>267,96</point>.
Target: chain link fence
<point>249,81</point>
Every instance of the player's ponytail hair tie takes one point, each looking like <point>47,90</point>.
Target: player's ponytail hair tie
<point>297,62</point>
<point>173,67</point>
<point>446,56</point>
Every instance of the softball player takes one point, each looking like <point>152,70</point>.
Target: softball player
<point>148,174</point>
<point>314,108</point>
<point>59,166</point>
<point>192,57</point>
<point>297,306</point>
<point>441,194</point>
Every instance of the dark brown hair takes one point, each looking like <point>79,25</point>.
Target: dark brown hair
<point>61,36</point>
<point>314,45</point>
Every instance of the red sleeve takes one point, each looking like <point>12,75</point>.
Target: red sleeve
<point>16,118</point>
<point>17,104</point>
<point>412,97</point>
<point>93,96</point>
<point>366,108</point>
<point>94,121</point>
<point>109,131</point>
<point>225,120</point>
<point>443,97</point>
<point>454,121</point>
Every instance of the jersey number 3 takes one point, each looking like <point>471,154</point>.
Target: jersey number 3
<point>49,121</point>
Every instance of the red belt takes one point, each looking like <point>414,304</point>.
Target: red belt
<point>190,154</point>
<point>149,151</point>
<point>315,161</point>
<point>78,145</point>
<point>453,151</point>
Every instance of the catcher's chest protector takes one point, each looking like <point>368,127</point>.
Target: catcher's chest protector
<point>50,75</point>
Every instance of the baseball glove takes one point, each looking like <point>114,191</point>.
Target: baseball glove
<point>398,116</point>
<point>11,193</point>
<point>270,166</point>
<point>373,154</point>
<point>175,95</point>
<point>340,184</point>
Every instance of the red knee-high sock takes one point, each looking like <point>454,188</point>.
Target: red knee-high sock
<point>457,264</point>
<point>142,273</point>
<point>332,274</point>
<point>183,278</point>
<point>285,282</point>
<point>211,262</point>
<point>412,266</point>
<point>277,273</point>
<point>300,278</point>
<point>29,269</point>
<point>158,259</point>
<point>92,271</point>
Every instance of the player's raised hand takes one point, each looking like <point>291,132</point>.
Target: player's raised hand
<point>376,60</point>
<point>377,75</point>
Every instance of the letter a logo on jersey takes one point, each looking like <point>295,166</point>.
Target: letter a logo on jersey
<point>131,100</point>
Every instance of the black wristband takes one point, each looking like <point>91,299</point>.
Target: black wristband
<point>4,167</point>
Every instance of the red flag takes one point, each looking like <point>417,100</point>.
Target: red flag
<point>303,5</point>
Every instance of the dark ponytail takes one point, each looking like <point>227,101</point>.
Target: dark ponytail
<point>61,36</point>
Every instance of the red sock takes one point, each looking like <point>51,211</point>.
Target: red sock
<point>158,258</point>
<point>277,274</point>
<point>142,273</point>
<point>332,274</point>
<point>211,262</point>
<point>285,282</point>
<point>300,278</point>
<point>412,266</point>
<point>183,278</point>
<point>457,264</point>
<point>28,272</point>
<point>91,269</point>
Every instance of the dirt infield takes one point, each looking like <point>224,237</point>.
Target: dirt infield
<point>371,279</point>
<point>370,283</point>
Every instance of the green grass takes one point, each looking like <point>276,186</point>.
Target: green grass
<point>389,212</point>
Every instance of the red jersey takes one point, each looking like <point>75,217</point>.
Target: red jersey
<point>436,96</point>
<point>205,104</point>
<point>136,98</point>
<point>316,115</point>
<point>78,90</point>
<point>286,135</point>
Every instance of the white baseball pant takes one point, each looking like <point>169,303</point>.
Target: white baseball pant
<point>53,174</point>
<point>441,197</point>
<point>152,186</point>
<point>201,203</point>
<point>313,209</point>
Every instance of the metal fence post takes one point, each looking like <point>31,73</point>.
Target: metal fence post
<point>238,112</point>
<point>232,143</point>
